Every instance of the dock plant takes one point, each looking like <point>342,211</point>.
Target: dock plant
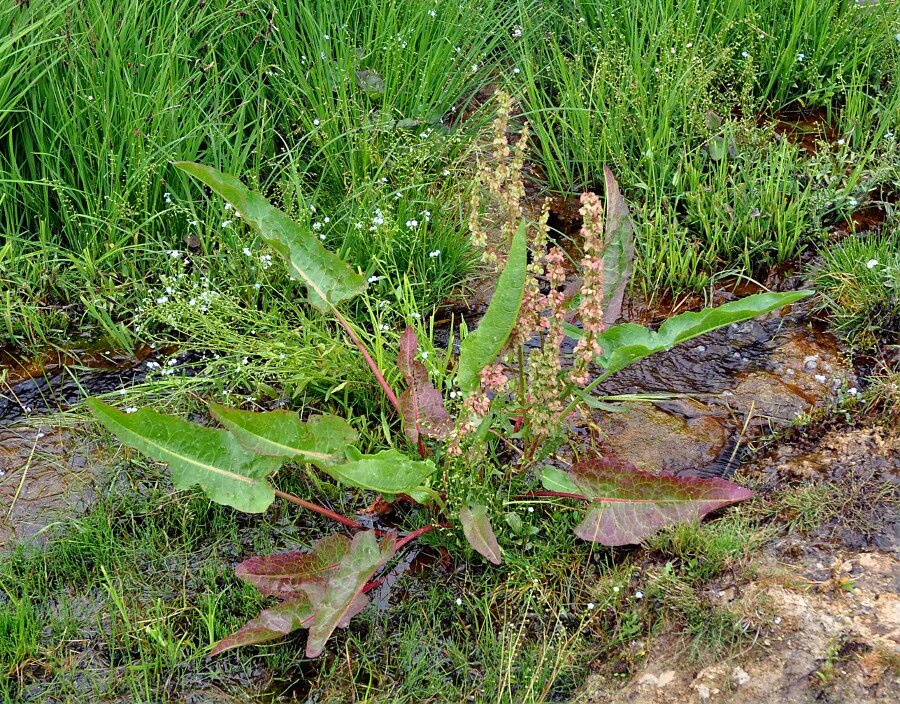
<point>533,400</point>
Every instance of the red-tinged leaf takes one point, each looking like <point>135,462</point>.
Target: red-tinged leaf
<point>284,574</point>
<point>421,405</point>
<point>629,505</point>
<point>337,600</point>
<point>478,531</point>
<point>322,588</point>
<point>271,624</point>
<point>618,254</point>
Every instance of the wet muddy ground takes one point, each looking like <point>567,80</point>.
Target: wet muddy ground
<point>824,605</point>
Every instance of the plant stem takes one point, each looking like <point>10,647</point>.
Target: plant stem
<point>392,397</point>
<point>328,513</point>
<point>415,534</point>
<point>586,390</point>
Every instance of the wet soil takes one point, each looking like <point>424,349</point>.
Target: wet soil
<point>825,604</point>
<point>46,474</point>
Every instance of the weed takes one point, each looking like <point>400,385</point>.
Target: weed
<point>859,280</point>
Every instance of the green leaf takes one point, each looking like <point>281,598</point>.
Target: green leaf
<point>481,347</point>
<point>387,472</point>
<point>478,531</point>
<point>618,253</point>
<point>322,440</point>
<point>627,343</point>
<point>554,479</point>
<point>214,459</point>
<point>329,280</point>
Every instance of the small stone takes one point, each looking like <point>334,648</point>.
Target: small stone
<point>703,693</point>
<point>740,676</point>
<point>665,678</point>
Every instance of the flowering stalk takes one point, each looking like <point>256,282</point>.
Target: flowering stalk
<point>590,309</point>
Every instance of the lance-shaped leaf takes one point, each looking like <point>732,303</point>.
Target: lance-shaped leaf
<point>322,440</point>
<point>482,346</point>
<point>226,471</point>
<point>328,279</point>
<point>421,405</point>
<point>628,505</point>
<point>271,624</point>
<point>322,589</point>
<point>284,574</point>
<point>337,600</point>
<point>477,528</point>
<point>387,472</point>
<point>629,342</point>
<point>618,252</point>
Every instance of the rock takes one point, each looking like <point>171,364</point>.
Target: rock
<point>740,677</point>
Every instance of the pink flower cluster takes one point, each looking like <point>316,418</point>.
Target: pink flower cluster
<point>590,310</point>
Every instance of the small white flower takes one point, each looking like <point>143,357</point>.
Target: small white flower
<point>90,98</point>
<point>453,394</point>
<point>326,37</point>
<point>373,279</point>
<point>821,378</point>
<point>801,56</point>
<point>424,354</point>
<point>316,122</point>
<point>162,299</point>
<point>257,286</point>
<point>432,13</point>
<point>458,601</point>
<point>516,32</point>
<point>639,595</point>
<point>745,54</point>
<point>435,254</point>
<point>174,253</point>
<point>871,264</point>
<point>247,252</point>
<point>517,70</point>
<point>531,509</point>
<point>384,327</point>
<point>474,68</point>
<point>131,409</point>
<point>853,391</point>
<point>229,206</point>
<point>842,141</point>
<point>322,236</point>
<point>412,224</point>
<point>590,606</point>
<point>167,197</point>
<point>416,315</point>
<point>616,589</point>
<point>226,223</point>
<point>853,202</point>
<point>326,219</point>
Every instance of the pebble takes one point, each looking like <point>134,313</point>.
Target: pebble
<point>740,676</point>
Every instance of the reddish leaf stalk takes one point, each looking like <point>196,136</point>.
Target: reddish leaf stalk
<point>392,397</point>
<point>579,497</point>
<point>415,534</point>
<point>328,513</point>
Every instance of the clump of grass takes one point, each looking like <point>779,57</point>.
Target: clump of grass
<point>859,281</point>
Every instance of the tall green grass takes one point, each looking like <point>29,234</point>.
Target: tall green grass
<point>645,87</point>
<point>343,107</point>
